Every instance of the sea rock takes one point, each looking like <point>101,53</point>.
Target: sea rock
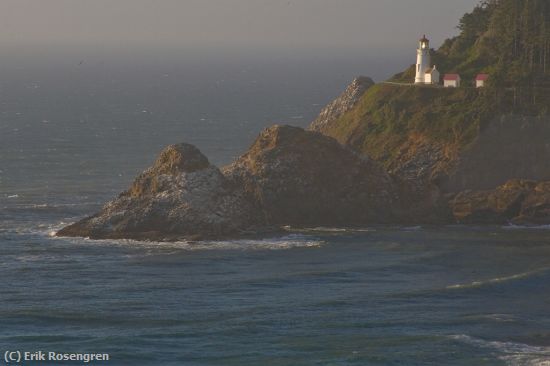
<point>344,103</point>
<point>517,201</point>
<point>304,178</point>
<point>289,176</point>
<point>535,209</point>
<point>182,196</point>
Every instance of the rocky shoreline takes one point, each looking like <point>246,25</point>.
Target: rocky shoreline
<point>301,178</point>
<point>288,177</point>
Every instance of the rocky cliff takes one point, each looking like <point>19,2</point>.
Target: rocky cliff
<point>517,201</point>
<point>288,177</point>
<point>304,178</point>
<point>344,103</point>
<point>182,196</point>
<point>454,139</point>
<point>509,147</point>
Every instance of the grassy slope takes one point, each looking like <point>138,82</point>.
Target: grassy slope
<point>388,115</point>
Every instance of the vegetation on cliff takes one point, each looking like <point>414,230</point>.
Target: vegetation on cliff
<point>426,128</point>
<point>388,116</point>
<point>510,41</point>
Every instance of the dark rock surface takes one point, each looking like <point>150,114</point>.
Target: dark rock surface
<point>517,201</point>
<point>182,196</point>
<point>305,178</point>
<point>344,103</point>
<point>288,177</point>
<point>509,147</point>
<point>383,122</point>
<point>291,176</point>
<point>535,209</point>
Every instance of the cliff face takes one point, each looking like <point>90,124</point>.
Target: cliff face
<point>304,178</point>
<point>454,139</point>
<point>344,103</point>
<point>517,201</point>
<point>509,147</point>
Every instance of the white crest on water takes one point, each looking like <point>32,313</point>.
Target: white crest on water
<point>514,354</point>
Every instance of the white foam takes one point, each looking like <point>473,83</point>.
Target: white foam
<point>412,228</point>
<point>504,318</point>
<point>496,280</point>
<point>324,229</point>
<point>280,243</point>
<point>514,354</point>
<point>526,227</point>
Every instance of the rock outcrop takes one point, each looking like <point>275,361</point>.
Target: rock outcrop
<point>288,177</point>
<point>344,103</point>
<point>291,176</point>
<point>301,177</point>
<point>535,209</point>
<point>457,139</point>
<point>517,201</point>
<point>182,196</point>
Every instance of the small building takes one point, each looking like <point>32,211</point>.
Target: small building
<point>432,76</point>
<point>451,80</point>
<point>481,79</point>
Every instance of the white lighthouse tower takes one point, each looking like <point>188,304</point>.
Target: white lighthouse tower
<point>423,60</point>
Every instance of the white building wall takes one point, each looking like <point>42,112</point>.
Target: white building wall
<point>428,78</point>
<point>423,63</point>
<point>451,83</point>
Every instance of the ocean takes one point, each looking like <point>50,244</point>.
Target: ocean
<point>77,127</point>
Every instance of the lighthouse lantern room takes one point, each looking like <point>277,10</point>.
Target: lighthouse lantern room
<point>423,61</point>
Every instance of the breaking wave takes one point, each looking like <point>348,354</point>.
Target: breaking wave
<point>526,227</point>
<point>323,229</point>
<point>514,354</point>
<point>280,243</point>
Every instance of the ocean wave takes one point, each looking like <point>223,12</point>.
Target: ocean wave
<point>514,354</point>
<point>502,318</point>
<point>36,229</point>
<point>526,227</point>
<point>496,280</point>
<point>290,241</point>
<point>323,229</point>
<point>28,206</point>
<point>411,228</point>
<point>280,243</point>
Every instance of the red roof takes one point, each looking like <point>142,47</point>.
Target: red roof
<point>482,77</point>
<point>451,77</point>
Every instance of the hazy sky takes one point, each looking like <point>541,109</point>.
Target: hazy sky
<point>277,23</point>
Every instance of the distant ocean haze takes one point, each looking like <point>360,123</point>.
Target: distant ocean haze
<point>103,114</point>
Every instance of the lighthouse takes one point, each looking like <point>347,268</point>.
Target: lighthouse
<point>423,61</point>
